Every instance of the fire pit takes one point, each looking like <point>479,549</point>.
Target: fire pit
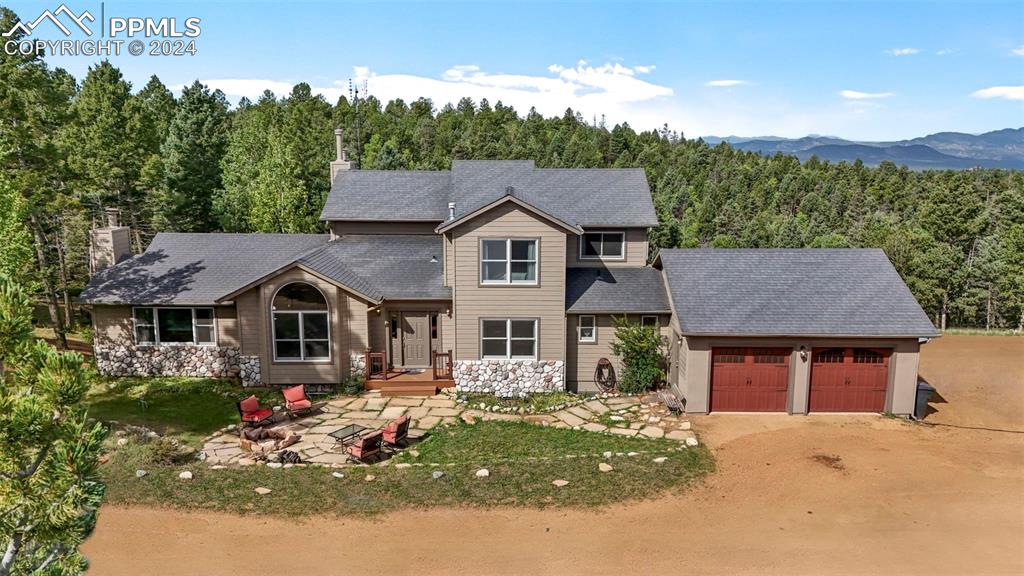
<point>266,440</point>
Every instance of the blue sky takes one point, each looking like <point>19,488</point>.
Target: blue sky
<point>866,70</point>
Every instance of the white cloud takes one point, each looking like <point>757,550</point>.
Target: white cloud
<point>1018,51</point>
<point>611,89</point>
<point>857,95</point>
<point>902,51</point>
<point>944,51</point>
<point>1007,92</point>
<point>725,83</point>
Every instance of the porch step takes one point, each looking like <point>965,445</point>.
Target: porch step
<point>424,389</point>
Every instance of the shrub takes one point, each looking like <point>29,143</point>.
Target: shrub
<point>641,350</point>
<point>167,451</point>
<point>353,386</point>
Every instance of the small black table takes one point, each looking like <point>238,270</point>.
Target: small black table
<point>348,432</point>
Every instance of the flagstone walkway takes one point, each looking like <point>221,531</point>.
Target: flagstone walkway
<point>624,415</point>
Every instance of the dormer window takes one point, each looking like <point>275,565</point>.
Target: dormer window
<point>603,246</point>
<point>508,261</point>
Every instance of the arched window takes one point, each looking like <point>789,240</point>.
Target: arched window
<point>301,324</point>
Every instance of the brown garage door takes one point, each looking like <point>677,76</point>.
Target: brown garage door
<point>849,380</point>
<point>749,379</point>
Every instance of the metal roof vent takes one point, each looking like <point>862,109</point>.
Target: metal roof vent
<point>451,210</point>
<point>433,259</point>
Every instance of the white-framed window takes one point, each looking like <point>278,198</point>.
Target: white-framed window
<point>603,246</point>
<point>587,329</point>
<point>650,322</point>
<point>166,326</point>
<point>301,324</point>
<point>508,338</point>
<point>508,261</point>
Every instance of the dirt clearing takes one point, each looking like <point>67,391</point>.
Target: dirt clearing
<point>792,495</point>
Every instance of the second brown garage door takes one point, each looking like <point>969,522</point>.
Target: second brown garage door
<point>749,379</point>
<point>849,380</point>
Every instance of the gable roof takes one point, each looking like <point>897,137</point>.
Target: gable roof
<point>508,197</point>
<point>595,197</point>
<point>791,292</point>
<point>190,269</point>
<point>615,290</point>
<point>391,267</point>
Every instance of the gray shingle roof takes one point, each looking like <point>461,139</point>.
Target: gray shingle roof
<point>634,290</point>
<point>810,292</point>
<point>584,196</point>
<point>384,267</point>
<point>192,269</point>
<point>196,268</point>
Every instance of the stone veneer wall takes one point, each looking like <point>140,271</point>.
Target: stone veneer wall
<point>509,378</point>
<point>357,365</point>
<point>207,361</point>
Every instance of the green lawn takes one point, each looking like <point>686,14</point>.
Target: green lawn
<point>189,408</point>
<point>523,460</point>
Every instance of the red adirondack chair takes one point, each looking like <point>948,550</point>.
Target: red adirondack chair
<point>251,413</point>
<point>397,432</point>
<point>365,447</point>
<point>295,400</point>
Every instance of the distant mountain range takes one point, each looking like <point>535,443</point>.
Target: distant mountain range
<point>998,149</point>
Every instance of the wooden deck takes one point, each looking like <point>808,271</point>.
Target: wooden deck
<point>409,383</point>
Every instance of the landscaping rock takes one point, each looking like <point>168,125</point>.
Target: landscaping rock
<point>414,453</point>
<point>140,473</point>
<point>604,467</point>
<point>403,466</point>
<point>560,483</point>
<point>692,442</point>
<point>483,473</point>
<point>652,432</point>
<point>246,462</point>
<point>274,465</point>
<point>685,425</point>
<point>437,474</point>
<point>660,460</point>
<point>337,474</point>
<point>122,441</point>
<point>262,491</point>
<point>186,475</point>
<point>607,454</point>
<point>370,478</point>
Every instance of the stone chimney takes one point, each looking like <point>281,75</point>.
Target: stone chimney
<point>110,244</point>
<point>341,161</point>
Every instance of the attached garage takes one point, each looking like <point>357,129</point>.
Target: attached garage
<point>749,379</point>
<point>849,380</point>
<point>797,331</point>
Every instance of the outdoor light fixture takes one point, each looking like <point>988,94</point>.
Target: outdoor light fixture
<point>803,353</point>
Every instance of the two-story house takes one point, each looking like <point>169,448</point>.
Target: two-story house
<point>503,277</point>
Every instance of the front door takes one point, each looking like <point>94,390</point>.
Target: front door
<point>415,339</point>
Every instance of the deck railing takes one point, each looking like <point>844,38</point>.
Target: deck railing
<point>442,365</point>
<point>376,366</point>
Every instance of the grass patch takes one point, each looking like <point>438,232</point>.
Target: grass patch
<point>188,408</point>
<point>532,404</point>
<point>983,332</point>
<point>523,460</point>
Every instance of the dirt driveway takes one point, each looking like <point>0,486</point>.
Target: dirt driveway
<point>793,495</point>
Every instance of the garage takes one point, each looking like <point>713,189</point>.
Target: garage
<point>749,379</point>
<point>849,379</point>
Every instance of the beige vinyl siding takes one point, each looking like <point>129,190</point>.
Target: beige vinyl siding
<point>582,357</point>
<point>316,372</point>
<point>342,227</point>
<point>113,325</point>
<point>449,260</point>
<point>636,249</point>
<point>544,301</point>
<point>248,304</point>
<point>903,364</point>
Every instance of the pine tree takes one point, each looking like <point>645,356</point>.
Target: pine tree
<point>195,145</point>
<point>50,488</point>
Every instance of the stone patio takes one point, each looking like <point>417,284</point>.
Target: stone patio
<point>624,415</point>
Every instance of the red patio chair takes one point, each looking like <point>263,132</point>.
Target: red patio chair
<point>365,447</point>
<point>397,432</point>
<point>295,400</point>
<point>251,413</point>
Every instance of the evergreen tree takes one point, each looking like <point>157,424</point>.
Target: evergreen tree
<point>195,144</point>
